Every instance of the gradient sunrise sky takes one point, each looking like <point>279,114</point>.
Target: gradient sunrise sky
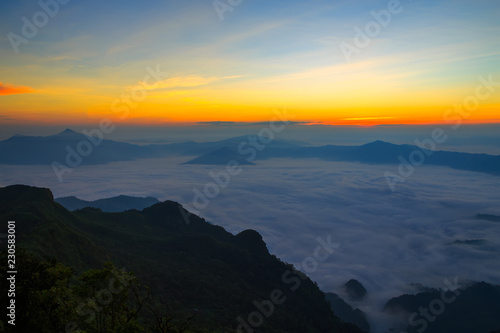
<point>88,57</point>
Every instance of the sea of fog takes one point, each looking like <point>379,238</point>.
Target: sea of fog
<point>382,238</point>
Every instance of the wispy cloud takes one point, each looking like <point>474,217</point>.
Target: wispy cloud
<point>10,89</point>
<point>248,123</point>
<point>368,118</point>
<point>188,81</point>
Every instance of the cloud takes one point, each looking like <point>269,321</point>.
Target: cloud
<point>368,118</point>
<point>387,239</point>
<point>10,89</point>
<point>240,123</point>
<point>189,81</point>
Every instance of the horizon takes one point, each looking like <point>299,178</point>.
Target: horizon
<point>355,140</point>
<point>484,138</point>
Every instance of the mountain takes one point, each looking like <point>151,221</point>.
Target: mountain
<point>68,148</point>
<point>355,290</point>
<point>345,312</point>
<point>488,217</point>
<point>475,308</point>
<point>221,156</point>
<point>46,227</point>
<point>196,270</point>
<point>72,149</point>
<point>110,205</point>
<point>379,152</point>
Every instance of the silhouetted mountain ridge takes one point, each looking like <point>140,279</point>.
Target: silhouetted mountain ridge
<point>488,217</point>
<point>221,156</point>
<point>473,308</point>
<point>345,312</point>
<point>189,263</point>
<point>115,204</point>
<point>36,150</point>
<point>45,150</point>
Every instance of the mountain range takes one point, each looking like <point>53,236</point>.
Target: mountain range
<point>197,271</point>
<point>110,205</point>
<point>70,148</point>
<point>221,156</point>
<point>469,308</point>
<point>217,281</point>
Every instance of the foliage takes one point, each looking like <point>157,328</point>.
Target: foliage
<point>202,277</point>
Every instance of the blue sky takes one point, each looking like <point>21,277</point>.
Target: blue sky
<point>261,55</point>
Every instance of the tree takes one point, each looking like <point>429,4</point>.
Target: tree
<point>49,298</point>
<point>42,295</point>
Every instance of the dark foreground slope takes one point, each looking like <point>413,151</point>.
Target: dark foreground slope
<point>193,268</point>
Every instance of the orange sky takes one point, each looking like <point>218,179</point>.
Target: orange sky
<point>191,67</point>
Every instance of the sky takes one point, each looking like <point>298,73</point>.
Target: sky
<point>350,72</point>
<point>185,62</point>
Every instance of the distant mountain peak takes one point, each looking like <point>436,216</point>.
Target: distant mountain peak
<point>379,143</point>
<point>220,156</point>
<point>355,290</point>
<point>68,131</point>
<point>113,204</point>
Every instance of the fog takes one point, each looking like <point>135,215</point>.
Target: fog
<point>386,239</point>
<point>467,138</point>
